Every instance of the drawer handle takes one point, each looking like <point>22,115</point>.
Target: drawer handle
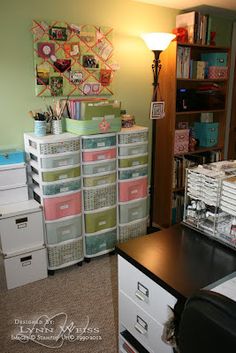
<point>139,329</point>
<point>139,296</point>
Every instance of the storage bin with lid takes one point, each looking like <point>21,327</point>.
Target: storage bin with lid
<point>133,210</point>
<point>98,155</point>
<point>93,142</point>
<point>100,243</point>
<point>99,167</point>
<point>65,254</point>
<point>99,180</point>
<point>134,172</point>
<point>132,189</point>
<point>63,230</point>
<point>99,197</point>
<point>134,149</point>
<point>62,206</point>
<point>132,161</point>
<point>99,220</point>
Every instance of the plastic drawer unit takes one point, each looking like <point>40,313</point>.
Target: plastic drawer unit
<point>99,180</point>
<point>61,160</point>
<point>134,149</point>
<point>133,210</point>
<point>63,230</point>
<point>132,189</point>
<point>98,155</point>
<point>99,220</point>
<point>99,167</point>
<point>106,140</point>
<point>135,172</point>
<point>132,161</point>
<point>100,243</point>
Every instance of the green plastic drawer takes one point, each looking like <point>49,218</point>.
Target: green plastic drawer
<point>100,243</point>
<point>97,221</point>
<point>99,180</point>
<point>63,230</point>
<point>61,174</point>
<point>133,161</point>
<point>98,142</point>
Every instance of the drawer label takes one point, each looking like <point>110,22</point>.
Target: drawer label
<point>135,163</point>
<point>102,223</point>
<point>63,162</point>
<point>64,207</point>
<point>64,189</point>
<point>63,176</point>
<point>101,144</point>
<point>144,290</point>
<point>64,232</point>
<point>101,156</point>
<point>134,191</point>
<point>21,225</point>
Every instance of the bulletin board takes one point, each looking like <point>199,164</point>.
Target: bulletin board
<point>72,60</point>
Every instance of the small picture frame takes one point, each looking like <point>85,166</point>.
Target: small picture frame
<point>157,110</point>
<point>58,33</point>
<point>90,62</point>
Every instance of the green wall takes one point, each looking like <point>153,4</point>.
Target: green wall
<point>132,84</point>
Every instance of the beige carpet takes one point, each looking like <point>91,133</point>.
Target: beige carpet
<point>79,297</point>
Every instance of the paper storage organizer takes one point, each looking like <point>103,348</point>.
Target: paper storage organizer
<point>99,167</point>
<point>51,144</point>
<point>132,161</point>
<point>100,243</point>
<point>134,149</point>
<point>98,155</point>
<point>26,268</point>
<point>65,254</point>
<point>133,172</point>
<point>134,134</point>
<point>61,187</point>
<point>12,175</point>
<point>99,197</point>
<point>62,206</point>
<point>22,227</point>
<point>99,180</point>
<point>133,210</point>
<point>61,174</point>
<point>133,229</point>
<point>106,140</point>
<point>11,156</point>
<point>99,220</point>
<point>63,230</point>
<point>132,189</point>
<point>62,160</point>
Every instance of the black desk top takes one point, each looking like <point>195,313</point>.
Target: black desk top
<point>181,260</point>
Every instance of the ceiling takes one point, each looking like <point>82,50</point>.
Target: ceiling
<point>185,4</point>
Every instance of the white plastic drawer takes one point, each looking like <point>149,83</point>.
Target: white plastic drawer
<point>133,210</point>
<point>99,167</point>
<point>60,161</point>
<point>133,149</point>
<point>21,232</point>
<point>142,326</point>
<point>64,230</point>
<point>145,292</point>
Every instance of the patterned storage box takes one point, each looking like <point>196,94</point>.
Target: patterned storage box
<point>133,137</point>
<point>133,172</point>
<point>62,187</point>
<point>98,142</point>
<point>65,253</point>
<point>133,189</point>
<point>99,197</point>
<point>91,127</point>
<point>181,141</point>
<point>61,174</point>
<point>133,210</point>
<point>64,230</point>
<point>132,161</point>
<point>60,161</point>
<point>218,72</point>
<point>99,180</point>
<point>100,243</point>
<point>63,206</point>
<point>133,150</point>
<point>133,230</point>
<point>97,221</point>
<point>99,155</point>
<point>100,167</point>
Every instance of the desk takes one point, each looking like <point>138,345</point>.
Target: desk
<point>169,265</point>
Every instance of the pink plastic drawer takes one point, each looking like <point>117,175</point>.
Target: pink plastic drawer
<point>63,206</point>
<point>134,189</point>
<point>99,155</point>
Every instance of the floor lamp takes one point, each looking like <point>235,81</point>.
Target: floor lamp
<point>157,42</point>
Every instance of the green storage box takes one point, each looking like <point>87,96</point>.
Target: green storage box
<point>215,59</point>
<point>99,109</point>
<point>206,133</point>
<point>91,127</point>
<point>61,174</point>
<point>97,221</point>
<point>100,243</point>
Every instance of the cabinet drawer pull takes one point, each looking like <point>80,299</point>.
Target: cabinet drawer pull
<point>139,329</point>
<point>141,326</point>
<point>139,296</point>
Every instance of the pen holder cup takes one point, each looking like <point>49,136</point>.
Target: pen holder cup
<point>40,128</point>
<point>56,127</point>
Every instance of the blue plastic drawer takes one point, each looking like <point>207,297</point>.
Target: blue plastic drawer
<point>61,187</point>
<point>98,142</point>
<point>11,156</point>
<point>133,172</point>
<point>100,243</point>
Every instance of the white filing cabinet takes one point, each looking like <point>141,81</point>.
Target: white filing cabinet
<point>143,309</point>
<point>22,242</point>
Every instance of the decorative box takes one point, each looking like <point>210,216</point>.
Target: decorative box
<point>181,142</point>
<point>218,72</point>
<point>89,127</point>
<point>206,133</point>
<point>11,156</point>
<point>215,59</point>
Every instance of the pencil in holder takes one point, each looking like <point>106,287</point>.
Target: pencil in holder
<point>56,127</point>
<point>40,127</point>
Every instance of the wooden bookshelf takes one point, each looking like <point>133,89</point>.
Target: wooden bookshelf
<point>165,128</point>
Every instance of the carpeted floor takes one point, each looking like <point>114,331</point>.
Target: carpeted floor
<point>83,298</point>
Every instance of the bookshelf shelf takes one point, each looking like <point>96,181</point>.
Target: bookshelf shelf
<point>168,168</point>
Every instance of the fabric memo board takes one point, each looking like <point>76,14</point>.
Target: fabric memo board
<point>72,60</point>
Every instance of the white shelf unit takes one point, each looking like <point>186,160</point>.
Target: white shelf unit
<point>132,182</point>
<point>55,182</point>
<point>99,184</point>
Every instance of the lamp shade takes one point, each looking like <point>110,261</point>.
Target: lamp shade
<point>157,41</point>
